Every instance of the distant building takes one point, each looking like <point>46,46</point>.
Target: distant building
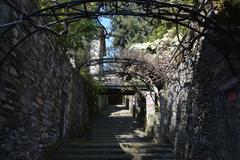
<point>98,51</point>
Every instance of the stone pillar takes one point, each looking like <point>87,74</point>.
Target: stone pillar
<point>150,110</point>
<point>132,103</point>
<point>127,102</point>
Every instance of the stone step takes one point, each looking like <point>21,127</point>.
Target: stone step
<point>146,145</point>
<point>117,132</point>
<point>114,121</point>
<point>114,111</point>
<point>106,134</point>
<point>117,140</point>
<point>109,122</point>
<point>120,115</point>
<point>114,145</point>
<point>118,118</point>
<point>126,114</point>
<point>113,124</point>
<point>91,145</point>
<point>112,139</point>
<point>93,157</point>
<point>115,128</point>
<point>156,150</point>
<point>120,131</point>
<point>87,151</point>
<point>158,156</point>
<point>117,136</point>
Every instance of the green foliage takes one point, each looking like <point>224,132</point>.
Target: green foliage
<point>48,3</point>
<point>129,30</point>
<point>162,29</point>
<point>77,41</point>
<point>79,37</point>
<point>79,34</point>
<point>93,90</point>
<point>159,31</point>
<point>157,108</point>
<point>90,80</point>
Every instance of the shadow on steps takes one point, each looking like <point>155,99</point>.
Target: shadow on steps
<point>115,136</point>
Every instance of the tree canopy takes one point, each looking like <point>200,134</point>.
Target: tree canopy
<point>78,35</point>
<point>129,30</point>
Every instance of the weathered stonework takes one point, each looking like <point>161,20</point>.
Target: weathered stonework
<point>37,107</point>
<point>199,105</point>
<point>150,111</point>
<point>201,122</point>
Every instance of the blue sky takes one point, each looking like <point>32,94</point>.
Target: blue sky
<point>106,22</point>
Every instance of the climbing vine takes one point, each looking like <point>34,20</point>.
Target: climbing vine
<point>94,88</point>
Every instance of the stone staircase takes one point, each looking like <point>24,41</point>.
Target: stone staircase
<point>115,135</point>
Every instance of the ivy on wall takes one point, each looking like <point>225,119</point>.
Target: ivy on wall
<point>93,90</point>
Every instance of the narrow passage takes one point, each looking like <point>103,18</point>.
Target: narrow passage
<point>115,135</point>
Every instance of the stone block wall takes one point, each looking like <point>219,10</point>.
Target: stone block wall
<point>199,110</point>
<point>102,102</point>
<point>36,107</point>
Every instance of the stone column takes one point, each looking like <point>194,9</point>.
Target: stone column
<point>127,102</point>
<point>5,15</point>
<point>132,105</point>
<point>150,110</point>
